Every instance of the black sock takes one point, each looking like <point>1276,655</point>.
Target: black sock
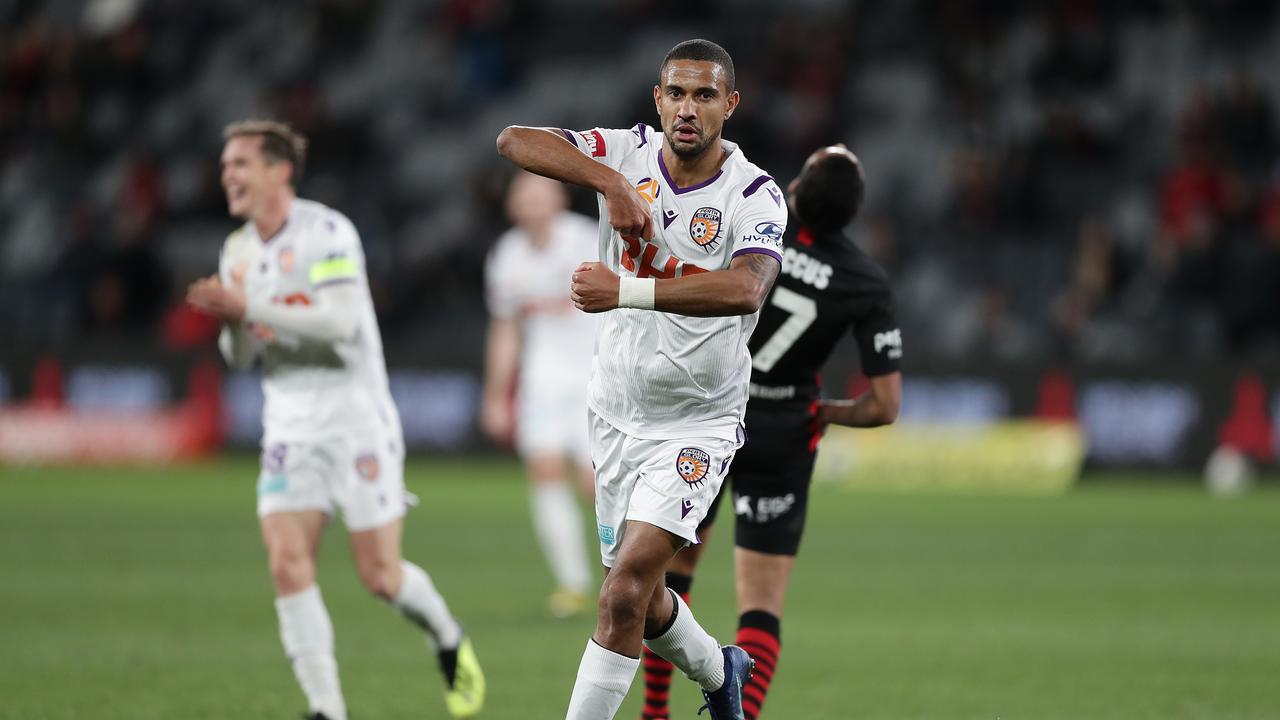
<point>449,665</point>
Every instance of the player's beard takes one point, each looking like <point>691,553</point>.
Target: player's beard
<point>686,151</point>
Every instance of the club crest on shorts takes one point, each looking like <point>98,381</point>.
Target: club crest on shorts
<point>367,467</point>
<point>704,228</point>
<point>692,465</point>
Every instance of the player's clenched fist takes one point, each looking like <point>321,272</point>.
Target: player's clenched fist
<point>594,288</point>
<point>628,211</point>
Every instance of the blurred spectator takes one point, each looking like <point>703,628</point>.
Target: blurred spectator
<point>995,134</point>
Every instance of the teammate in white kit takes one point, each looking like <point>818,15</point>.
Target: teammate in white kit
<point>690,229</point>
<point>540,342</point>
<point>292,292</point>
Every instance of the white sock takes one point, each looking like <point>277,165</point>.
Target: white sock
<point>419,601</point>
<point>558,523</point>
<point>604,677</point>
<point>307,634</point>
<point>687,646</point>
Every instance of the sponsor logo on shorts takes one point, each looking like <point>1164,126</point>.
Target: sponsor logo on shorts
<point>765,508</point>
<point>685,506</point>
<point>890,340</point>
<point>692,465</point>
<point>606,534</point>
<point>271,484</point>
<point>704,228</point>
<point>273,457</point>
<point>367,467</point>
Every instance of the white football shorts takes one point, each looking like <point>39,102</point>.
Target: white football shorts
<point>667,483</point>
<point>361,477</point>
<point>552,420</point>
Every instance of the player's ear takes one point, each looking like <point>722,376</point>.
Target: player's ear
<point>731,103</point>
<point>283,171</point>
<point>657,99</point>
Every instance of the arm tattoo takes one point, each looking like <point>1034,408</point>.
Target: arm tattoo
<point>763,268</point>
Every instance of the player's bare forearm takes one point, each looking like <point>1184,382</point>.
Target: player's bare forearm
<point>876,407</point>
<point>502,356</point>
<point>739,290</point>
<point>545,151</point>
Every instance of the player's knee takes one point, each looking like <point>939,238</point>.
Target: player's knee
<point>291,572</point>
<point>624,600</point>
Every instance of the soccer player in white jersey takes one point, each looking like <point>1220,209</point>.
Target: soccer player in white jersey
<point>690,244</point>
<point>540,342</point>
<point>292,293</point>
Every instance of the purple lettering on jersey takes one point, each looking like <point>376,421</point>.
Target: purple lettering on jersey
<point>755,185</point>
<point>662,165</point>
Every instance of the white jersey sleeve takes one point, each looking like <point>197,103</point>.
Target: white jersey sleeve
<point>336,256</point>
<point>759,226</point>
<point>610,146</point>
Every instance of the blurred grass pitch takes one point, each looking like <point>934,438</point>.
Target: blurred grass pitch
<point>130,593</point>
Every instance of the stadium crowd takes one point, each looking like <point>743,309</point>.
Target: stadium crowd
<point>1067,178</point>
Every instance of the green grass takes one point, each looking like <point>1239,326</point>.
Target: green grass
<point>144,594</point>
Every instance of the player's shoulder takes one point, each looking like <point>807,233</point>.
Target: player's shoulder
<point>749,182</point>
<point>317,217</point>
<point>613,142</point>
<point>237,237</point>
<point>871,276</point>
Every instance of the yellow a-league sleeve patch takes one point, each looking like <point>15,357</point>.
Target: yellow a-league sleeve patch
<point>333,269</point>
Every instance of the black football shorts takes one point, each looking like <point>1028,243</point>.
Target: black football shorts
<point>768,483</point>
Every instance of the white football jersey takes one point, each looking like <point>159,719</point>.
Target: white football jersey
<point>531,285</point>
<point>663,376</point>
<point>313,389</point>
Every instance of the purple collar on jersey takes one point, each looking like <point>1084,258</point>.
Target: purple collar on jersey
<point>662,165</point>
<point>279,231</point>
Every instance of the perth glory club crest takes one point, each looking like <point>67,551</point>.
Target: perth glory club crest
<point>692,465</point>
<point>704,228</point>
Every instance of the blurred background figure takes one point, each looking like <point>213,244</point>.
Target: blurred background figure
<point>1076,202</point>
<point>997,128</point>
<point>537,361</point>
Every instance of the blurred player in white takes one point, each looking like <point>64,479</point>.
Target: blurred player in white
<point>690,243</point>
<point>540,342</point>
<point>292,292</point>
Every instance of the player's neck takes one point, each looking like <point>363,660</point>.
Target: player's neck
<point>688,172</point>
<point>270,221</point>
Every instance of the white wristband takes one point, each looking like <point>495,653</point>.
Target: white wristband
<point>636,292</point>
